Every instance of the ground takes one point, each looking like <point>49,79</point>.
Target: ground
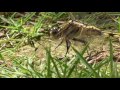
<point>36,57</point>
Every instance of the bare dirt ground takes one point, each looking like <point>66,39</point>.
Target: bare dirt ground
<point>98,49</point>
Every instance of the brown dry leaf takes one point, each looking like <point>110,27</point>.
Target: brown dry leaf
<point>2,34</point>
<point>9,63</point>
<point>117,57</point>
<point>97,57</point>
<point>1,62</point>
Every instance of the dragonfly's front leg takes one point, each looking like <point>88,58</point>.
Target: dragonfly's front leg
<point>59,44</point>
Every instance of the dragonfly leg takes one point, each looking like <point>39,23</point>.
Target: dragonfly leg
<point>79,40</point>
<point>68,44</point>
<point>59,44</point>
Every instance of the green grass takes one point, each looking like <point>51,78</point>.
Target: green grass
<point>23,67</point>
<point>13,65</point>
<point>119,25</point>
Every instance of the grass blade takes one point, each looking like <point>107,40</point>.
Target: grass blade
<point>113,67</point>
<point>119,25</point>
<point>48,62</point>
<point>86,63</point>
<point>24,70</point>
<point>56,68</point>
<point>5,20</point>
<point>77,61</point>
<point>28,16</point>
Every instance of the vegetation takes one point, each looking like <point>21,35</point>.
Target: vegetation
<point>28,51</point>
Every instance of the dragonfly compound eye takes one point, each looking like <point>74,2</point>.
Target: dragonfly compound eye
<point>54,31</point>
